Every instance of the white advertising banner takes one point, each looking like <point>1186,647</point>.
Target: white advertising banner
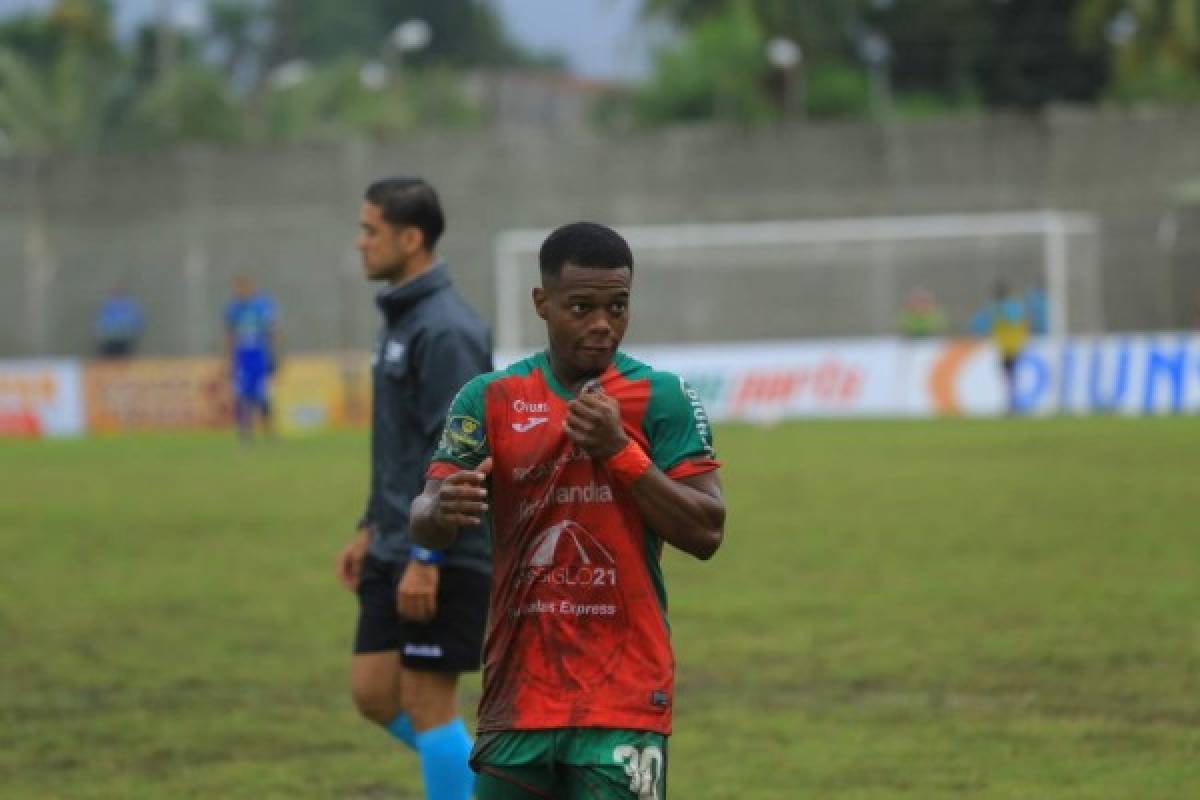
<point>767,381</point>
<point>1131,374</point>
<point>41,398</point>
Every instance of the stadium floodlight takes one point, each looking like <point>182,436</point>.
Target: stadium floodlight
<point>412,35</point>
<point>783,53</point>
<point>1058,250</point>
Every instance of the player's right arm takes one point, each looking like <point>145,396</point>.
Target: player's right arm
<point>455,494</point>
<point>456,501</point>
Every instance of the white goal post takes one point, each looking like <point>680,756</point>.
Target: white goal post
<point>516,250</point>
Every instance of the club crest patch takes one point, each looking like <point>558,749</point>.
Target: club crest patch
<point>463,436</point>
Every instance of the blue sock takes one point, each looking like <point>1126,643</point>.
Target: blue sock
<point>401,727</point>
<point>444,753</point>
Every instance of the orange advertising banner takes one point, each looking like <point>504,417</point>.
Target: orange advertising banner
<point>148,394</point>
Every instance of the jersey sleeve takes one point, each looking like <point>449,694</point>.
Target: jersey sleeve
<point>677,428</point>
<point>464,442</point>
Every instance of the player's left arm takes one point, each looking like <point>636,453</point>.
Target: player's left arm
<point>686,510</point>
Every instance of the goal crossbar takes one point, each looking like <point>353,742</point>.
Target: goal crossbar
<point>1054,227</point>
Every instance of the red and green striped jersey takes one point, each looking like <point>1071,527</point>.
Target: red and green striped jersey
<point>577,632</point>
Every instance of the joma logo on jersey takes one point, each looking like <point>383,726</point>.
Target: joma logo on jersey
<point>525,407</point>
<point>562,495</point>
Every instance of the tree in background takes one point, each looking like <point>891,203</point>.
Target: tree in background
<point>714,73</point>
<point>465,33</point>
<point>57,77</point>
<point>947,54</point>
<point>276,70</point>
<point>1154,46</point>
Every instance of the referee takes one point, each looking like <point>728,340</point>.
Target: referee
<point>421,612</point>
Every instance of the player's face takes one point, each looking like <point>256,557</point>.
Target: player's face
<point>586,312</point>
<point>385,248</point>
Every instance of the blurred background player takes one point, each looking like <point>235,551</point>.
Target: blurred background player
<point>119,325</point>
<point>250,349</point>
<point>922,316</point>
<point>421,612</point>
<point>1009,327</point>
<point>591,460</point>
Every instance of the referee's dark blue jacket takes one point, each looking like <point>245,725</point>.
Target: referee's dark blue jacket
<point>431,344</point>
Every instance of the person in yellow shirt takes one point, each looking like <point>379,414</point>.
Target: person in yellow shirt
<point>1010,331</point>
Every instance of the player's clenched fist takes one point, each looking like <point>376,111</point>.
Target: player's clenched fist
<point>462,498</point>
<point>594,423</point>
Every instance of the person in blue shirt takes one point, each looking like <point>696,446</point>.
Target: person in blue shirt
<point>250,320</point>
<point>119,325</point>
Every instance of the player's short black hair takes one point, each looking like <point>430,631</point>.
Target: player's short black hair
<point>584,244</point>
<point>409,201</point>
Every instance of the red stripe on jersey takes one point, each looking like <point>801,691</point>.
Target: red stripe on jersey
<point>687,469</point>
<point>441,469</point>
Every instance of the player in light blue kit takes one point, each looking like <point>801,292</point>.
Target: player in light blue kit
<point>250,349</point>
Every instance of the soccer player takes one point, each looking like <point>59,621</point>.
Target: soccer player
<point>250,319</point>
<point>1010,329</point>
<point>421,611</point>
<point>586,461</point>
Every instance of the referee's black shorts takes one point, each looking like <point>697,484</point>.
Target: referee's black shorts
<point>451,642</point>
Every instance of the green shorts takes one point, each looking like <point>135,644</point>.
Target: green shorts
<point>571,764</point>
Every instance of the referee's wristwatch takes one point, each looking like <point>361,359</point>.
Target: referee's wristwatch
<point>424,555</point>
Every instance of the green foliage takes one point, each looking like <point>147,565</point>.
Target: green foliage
<point>1155,50</point>
<point>464,32</point>
<point>953,609</point>
<point>55,109</point>
<point>65,87</point>
<point>837,90</point>
<point>193,104</point>
<point>716,72</point>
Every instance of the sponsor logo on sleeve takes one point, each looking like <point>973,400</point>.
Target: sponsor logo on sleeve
<point>463,436</point>
<point>699,416</point>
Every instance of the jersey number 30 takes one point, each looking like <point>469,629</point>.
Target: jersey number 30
<point>644,768</point>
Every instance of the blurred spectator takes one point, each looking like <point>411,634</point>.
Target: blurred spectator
<point>250,341</point>
<point>922,316</point>
<point>119,325</point>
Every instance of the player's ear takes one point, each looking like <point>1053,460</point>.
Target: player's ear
<point>539,301</point>
<point>412,238</point>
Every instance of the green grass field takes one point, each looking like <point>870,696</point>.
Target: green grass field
<point>999,609</point>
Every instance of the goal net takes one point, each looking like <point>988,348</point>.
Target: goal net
<point>831,278</point>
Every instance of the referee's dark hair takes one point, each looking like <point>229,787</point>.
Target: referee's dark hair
<point>409,201</point>
<point>584,244</point>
